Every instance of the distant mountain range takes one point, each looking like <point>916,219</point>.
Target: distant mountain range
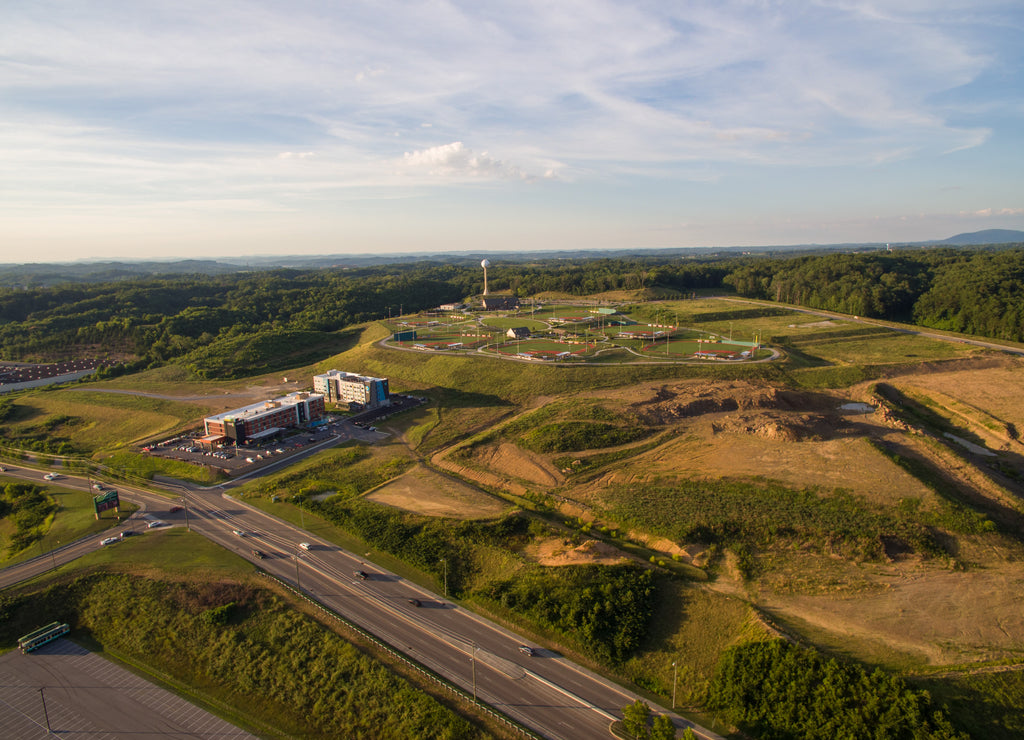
<point>988,236</point>
<point>37,274</point>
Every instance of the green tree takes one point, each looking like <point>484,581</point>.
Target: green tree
<point>662,728</point>
<point>635,717</point>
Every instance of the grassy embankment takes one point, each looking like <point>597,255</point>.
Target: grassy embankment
<point>197,619</point>
<point>66,516</point>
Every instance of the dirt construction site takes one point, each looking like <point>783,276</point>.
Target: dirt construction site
<point>906,609</point>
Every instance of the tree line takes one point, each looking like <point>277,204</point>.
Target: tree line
<point>201,320</point>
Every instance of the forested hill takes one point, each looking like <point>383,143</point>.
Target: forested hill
<point>988,236</point>
<point>203,321</point>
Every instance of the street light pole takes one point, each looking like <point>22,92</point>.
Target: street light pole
<point>185,504</point>
<point>675,674</point>
<point>473,661</point>
<point>46,714</point>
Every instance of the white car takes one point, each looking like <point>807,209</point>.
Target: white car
<point>238,532</point>
<point>51,476</point>
<point>154,525</point>
<point>109,540</point>
<point>305,545</point>
<point>98,486</point>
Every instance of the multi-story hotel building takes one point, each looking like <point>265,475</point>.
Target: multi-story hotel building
<point>265,419</point>
<point>341,387</point>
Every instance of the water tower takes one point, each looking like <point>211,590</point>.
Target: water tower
<point>485,264</point>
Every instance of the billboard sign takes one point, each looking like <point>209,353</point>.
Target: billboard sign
<point>106,500</point>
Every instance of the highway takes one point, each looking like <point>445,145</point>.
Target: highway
<point>545,692</point>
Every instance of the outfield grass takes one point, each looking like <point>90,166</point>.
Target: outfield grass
<point>885,348</point>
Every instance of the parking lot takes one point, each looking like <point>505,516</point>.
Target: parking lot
<point>63,690</point>
<point>239,460</point>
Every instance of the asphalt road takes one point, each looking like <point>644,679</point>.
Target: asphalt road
<point>551,695</point>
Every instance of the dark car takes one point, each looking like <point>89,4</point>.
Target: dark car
<point>127,533</point>
<point>360,574</point>
<point>415,602</point>
<point>258,554</point>
<point>174,509</point>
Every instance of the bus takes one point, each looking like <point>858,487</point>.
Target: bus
<point>42,636</point>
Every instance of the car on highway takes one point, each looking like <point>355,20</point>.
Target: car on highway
<point>259,554</point>
<point>526,650</point>
<point>415,602</point>
<point>109,540</point>
<point>3,469</point>
<point>238,533</point>
<point>360,574</point>
<point>305,546</point>
<point>173,509</point>
<point>154,525</point>
<point>98,486</point>
<point>52,476</point>
<point>127,533</point>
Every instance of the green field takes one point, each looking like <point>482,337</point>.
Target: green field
<point>74,518</point>
<point>91,421</point>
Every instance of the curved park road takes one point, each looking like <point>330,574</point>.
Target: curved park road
<point>550,695</point>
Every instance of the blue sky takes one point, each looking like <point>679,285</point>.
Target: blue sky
<point>214,129</point>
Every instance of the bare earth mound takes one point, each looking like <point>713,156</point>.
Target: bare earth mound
<point>423,491</point>
<point>555,551</point>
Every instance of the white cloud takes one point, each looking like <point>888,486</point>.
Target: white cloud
<point>455,160</point>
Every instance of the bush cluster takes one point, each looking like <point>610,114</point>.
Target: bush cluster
<point>778,691</point>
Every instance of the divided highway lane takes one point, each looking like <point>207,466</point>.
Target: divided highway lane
<point>547,693</point>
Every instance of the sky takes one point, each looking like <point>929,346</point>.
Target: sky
<point>172,130</point>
